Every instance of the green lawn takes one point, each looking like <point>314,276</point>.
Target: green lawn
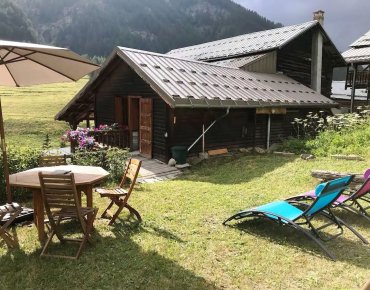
<point>29,112</point>
<point>182,244</point>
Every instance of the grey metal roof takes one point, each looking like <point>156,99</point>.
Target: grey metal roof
<point>359,51</point>
<point>362,41</point>
<point>243,44</point>
<point>357,55</point>
<point>239,62</point>
<point>184,83</point>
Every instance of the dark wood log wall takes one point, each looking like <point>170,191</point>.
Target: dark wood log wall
<point>230,131</point>
<point>123,82</point>
<point>234,130</point>
<point>327,75</point>
<point>261,130</point>
<point>281,126</point>
<point>294,60</point>
<point>120,82</point>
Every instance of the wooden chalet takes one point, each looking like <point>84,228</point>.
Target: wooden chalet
<point>358,69</point>
<point>165,100</point>
<point>303,52</point>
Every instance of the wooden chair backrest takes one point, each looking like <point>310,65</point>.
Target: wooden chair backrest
<point>131,173</point>
<point>52,160</point>
<point>59,192</point>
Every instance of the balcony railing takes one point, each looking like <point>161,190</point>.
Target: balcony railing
<point>362,79</point>
<point>113,138</point>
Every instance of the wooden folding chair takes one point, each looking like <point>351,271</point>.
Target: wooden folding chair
<point>52,160</point>
<point>61,202</point>
<point>119,196</point>
<point>8,213</point>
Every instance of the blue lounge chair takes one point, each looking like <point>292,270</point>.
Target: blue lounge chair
<point>296,215</point>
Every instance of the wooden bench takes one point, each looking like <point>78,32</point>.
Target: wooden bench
<point>218,152</point>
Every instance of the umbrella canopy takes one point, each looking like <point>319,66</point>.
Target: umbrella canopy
<point>26,64</point>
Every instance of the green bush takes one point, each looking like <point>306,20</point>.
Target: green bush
<point>347,141</point>
<point>90,158</point>
<point>116,159</point>
<point>19,159</point>
<point>113,160</point>
<point>339,134</point>
<point>295,145</point>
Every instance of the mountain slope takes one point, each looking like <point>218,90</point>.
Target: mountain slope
<point>14,24</point>
<point>95,27</point>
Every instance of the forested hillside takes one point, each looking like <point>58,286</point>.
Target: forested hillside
<point>14,24</point>
<point>95,27</point>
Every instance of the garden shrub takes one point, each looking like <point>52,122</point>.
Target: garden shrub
<point>347,141</point>
<point>89,158</point>
<point>19,159</point>
<point>294,145</point>
<point>339,134</point>
<point>112,159</point>
<point>116,159</point>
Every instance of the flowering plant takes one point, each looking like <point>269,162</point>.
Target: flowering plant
<point>81,136</point>
<point>105,127</point>
<point>84,136</point>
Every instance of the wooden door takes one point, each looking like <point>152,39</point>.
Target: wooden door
<point>146,127</point>
<point>118,111</point>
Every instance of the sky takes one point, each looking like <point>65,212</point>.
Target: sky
<point>345,20</point>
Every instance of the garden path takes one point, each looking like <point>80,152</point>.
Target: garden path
<point>154,170</point>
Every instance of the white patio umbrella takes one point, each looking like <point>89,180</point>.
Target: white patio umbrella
<point>26,64</point>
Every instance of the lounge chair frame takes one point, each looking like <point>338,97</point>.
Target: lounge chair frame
<point>305,219</point>
<point>11,210</point>
<point>351,204</point>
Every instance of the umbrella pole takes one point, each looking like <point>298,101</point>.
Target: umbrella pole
<point>5,158</point>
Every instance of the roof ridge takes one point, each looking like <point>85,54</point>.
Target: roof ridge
<point>123,49</point>
<point>240,36</point>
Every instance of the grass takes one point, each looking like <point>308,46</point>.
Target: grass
<point>29,112</point>
<point>182,243</point>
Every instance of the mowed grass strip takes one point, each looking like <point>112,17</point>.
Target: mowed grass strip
<point>182,244</point>
<point>29,112</point>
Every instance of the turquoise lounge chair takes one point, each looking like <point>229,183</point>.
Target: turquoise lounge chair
<point>296,215</point>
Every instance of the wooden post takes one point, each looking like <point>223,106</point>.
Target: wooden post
<point>203,140</point>
<point>268,131</point>
<point>353,93</point>
<point>73,143</point>
<point>5,157</point>
<point>254,128</point>
<point>366,286</point>
<point>368,89</point>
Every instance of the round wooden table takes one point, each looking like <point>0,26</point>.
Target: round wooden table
<point>85,177</point>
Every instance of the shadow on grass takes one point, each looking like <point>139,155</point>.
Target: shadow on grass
<point>352,252</point>
<point>236,169</point>
<point>352,218</point>
<point>113,261</point>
